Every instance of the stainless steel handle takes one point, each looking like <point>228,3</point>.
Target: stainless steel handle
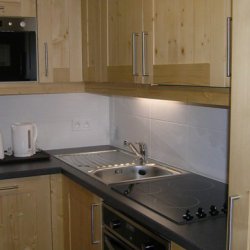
<point>8,188</point>
<point>93,240</point>
<point>134,54</point>
<point>46,59</point>
<point>229,45</point>
<point>230,219</point>
<point>144,54</point>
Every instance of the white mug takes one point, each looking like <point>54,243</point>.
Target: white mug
<point>24,137</point>
<point>1,147</point>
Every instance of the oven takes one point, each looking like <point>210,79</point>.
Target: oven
<point>121,233</point>
<point>18,49</point>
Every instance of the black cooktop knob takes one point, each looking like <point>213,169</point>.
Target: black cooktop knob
<point>200,213</point>
<point>213,210</point>
<point>224,208</point>
<point>187,216</point>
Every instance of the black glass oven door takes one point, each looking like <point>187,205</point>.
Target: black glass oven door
<point>18,56</point>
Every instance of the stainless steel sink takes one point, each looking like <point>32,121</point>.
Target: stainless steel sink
<point>133,173</point>
<point>117,166</point>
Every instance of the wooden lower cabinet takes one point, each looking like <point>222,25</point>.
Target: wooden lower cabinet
<point>25,221</point>
<point>76,216</point>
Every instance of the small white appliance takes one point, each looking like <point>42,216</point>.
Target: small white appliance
<point>24,137</point>
<point>1,147</point>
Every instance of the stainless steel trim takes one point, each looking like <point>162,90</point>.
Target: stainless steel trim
<point>144,54</point>
<point>93,241</point>
<point>229,45</point>
<point>46,59</point>
<point>134,54</point>
<point>232,198</point>
<point>9,188</point>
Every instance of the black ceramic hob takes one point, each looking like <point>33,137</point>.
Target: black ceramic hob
<point>182,199</point>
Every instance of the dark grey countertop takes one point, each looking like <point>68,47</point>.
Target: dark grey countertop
<point>207,234</point>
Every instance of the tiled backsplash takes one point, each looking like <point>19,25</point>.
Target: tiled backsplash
<point>191,137</point>
<point>54,114</point>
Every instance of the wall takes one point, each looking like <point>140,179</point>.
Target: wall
<point>54,114</point>
<point>190,137</point>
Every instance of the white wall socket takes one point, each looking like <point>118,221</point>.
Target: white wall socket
<point>80,124</point>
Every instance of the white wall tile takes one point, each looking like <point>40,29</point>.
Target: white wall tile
<point>169,111</point>
<point>53,115</point>
<point>207,152</point>
<point>168,143</point>
<point>133,106</point>
<point>130,128</point>
<point>207,117</point>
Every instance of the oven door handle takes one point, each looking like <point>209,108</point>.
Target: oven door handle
<point>93,240</point>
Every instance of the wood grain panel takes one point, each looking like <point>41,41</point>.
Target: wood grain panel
<point>190,32</point>
<point>199,95</point>
<point>91,25</point>
<point>44,88</point>
<point>75,41</point>
<point>25,8</point>
<point>122,19</point>
<point>239,173</point>
<point>119,74</point>
<point>71,210</point>
<point>44,35</point>
<point>59,25</point>
<point>182,74</point>
<point>25,214</point>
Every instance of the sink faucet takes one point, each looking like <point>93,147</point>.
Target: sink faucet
<point>141,153</point>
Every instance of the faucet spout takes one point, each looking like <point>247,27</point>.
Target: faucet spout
<point>141,153</point>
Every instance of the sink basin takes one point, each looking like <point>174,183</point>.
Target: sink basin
<point>116,166</point>
<point>133,173</point>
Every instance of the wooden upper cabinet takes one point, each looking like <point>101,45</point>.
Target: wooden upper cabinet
<point>174,42</point>
<point>24,8</point>
<point>187,41</point>
<point>25,215</point>
<point>59,40</point>
<point>120,40</point>
<point>91,15</point>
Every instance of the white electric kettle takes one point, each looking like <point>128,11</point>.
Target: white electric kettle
<point>24,137</point>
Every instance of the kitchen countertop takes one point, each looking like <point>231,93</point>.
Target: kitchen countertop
<point>207,234</point>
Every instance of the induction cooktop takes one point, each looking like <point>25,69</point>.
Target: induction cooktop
<point>182,199</point>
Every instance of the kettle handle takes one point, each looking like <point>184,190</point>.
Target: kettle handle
<point>34,136</point>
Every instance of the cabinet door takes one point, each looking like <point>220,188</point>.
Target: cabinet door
<point>189,41</point>
<point>121,56</point>
<point>239,172</point>
<point>85,219</point>
<point>76,216</point>
<point>91,38</point>
<point>59,40</point>
<point>25,219</point>
<point>26,8</point>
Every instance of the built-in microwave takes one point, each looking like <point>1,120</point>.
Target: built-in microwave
<point>18,49</point>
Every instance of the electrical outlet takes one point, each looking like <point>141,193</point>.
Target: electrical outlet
<point>80,124</point>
